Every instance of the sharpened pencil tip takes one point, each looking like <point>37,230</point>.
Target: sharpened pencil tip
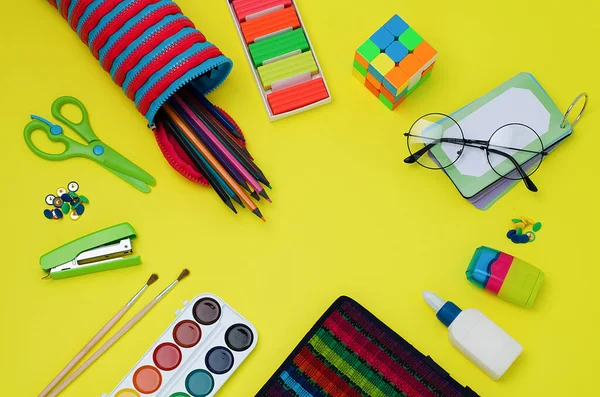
<point>257,212</point>
<point>152,279</point>
<point>237,200</point>
<point>231,206</point>
<point>265,195</point>
<point>269,186</point>
<point>183,274</point>
<point>263,219</point>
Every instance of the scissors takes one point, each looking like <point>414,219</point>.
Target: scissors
<point>94,150</point>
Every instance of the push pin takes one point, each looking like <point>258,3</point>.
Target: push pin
<point>66,202</point>
<point>519,234</point>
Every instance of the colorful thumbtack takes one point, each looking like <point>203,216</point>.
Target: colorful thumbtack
<point>519,234</point>
<point>66,202</point>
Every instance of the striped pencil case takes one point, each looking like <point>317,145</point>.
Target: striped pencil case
<point>350,353</point>
<point>151,51</point>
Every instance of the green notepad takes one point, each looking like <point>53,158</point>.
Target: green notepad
<point>519,100</point>
<point>279,45</point>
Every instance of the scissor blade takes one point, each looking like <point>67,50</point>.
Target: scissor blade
<point>136,183</point>
<point>112,159</point>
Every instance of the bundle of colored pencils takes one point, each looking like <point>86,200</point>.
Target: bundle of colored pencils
<point>215,146</point>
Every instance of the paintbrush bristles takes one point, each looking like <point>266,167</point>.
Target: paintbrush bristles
<point>183,274</point>
<point>152,279</point>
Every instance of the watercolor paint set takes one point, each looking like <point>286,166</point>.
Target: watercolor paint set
<point>195,356</point>
<point>281,56</point>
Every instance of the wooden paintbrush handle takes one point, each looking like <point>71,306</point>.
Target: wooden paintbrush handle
<point>107,345</point>
<point>85,350</point>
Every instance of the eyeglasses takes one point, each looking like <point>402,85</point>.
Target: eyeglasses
<point>514,151</point>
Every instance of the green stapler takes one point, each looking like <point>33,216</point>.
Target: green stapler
<point>106,249</point>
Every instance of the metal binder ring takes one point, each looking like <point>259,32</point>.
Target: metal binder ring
<point>583,94</point>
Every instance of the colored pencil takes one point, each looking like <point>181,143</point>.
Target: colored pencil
<point>219,154</point>
<point>212,120</point>
<point>206,153</point>
<point>219,186</point>
<point>218,130</point>
<point>219,146</point>
<point>215,112</point>
<point>198,157</point>
<point>212,177</point>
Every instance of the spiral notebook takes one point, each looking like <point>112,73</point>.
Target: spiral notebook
<point>519,100</point>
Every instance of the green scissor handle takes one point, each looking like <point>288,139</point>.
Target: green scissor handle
<point>95,150</point>
<point>54,133</point>
<point>83,128</point>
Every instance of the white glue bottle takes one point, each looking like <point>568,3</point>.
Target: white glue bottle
<point>476,336</point>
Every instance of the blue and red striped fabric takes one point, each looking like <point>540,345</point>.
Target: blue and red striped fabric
<point>149,48</point>
<point>350,353</point>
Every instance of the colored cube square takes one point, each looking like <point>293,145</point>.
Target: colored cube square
<point>396,80</point>
<point>396,51</point>
<point>371,88</point>
<point>360,68</point>
<point>398,102</point>
<point>373,80</point>
<point>410,64</point>
<point>396,26</point>
<point>380,66</point>
<point>410,39</point>
<point>390,101</point>
<point>359,76</point>
<point>390,97</point>
<point>386,101</point>
<point>394,62</point>
<point>425,53</point>
<point>360,60</point>
<point>382,38</point>
<point>428,69</point>
<point>411,90</point>
<point>368,50</point>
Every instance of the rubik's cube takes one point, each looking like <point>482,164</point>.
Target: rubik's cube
<point>394,62</point>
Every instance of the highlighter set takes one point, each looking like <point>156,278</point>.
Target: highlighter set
<point>195,356</point>
<point>284,64</point>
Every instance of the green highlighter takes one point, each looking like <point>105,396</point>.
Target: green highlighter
<point>106,249</point>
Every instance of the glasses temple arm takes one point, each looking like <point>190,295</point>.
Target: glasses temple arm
<point>528,182</point>
<point>417,155</point>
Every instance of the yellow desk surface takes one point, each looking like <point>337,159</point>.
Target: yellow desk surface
<point>349,217</point>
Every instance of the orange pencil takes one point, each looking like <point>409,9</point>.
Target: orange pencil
<point>212,160</point>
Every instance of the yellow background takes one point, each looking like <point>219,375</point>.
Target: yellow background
<point>348,216</point>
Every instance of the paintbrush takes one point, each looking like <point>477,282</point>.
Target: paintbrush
<point>109,343</point>
<point>99,335</point>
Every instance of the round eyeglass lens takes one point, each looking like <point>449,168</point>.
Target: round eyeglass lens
<point>515,143</point>
<point>435,141</point>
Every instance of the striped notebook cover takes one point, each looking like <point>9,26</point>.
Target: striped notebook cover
<point>349,352</point>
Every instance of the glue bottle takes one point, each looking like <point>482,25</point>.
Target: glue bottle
<point>476,336</point>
